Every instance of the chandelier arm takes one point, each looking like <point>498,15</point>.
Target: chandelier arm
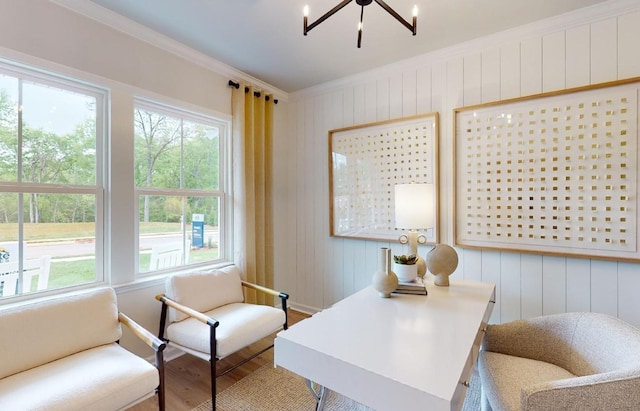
<point>360,26</point>
<point>325,16</point>
<point>412,28</point>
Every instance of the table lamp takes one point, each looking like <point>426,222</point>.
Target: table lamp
<point>414,210</point>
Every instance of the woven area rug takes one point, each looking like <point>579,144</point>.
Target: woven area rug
<point>276,389</point>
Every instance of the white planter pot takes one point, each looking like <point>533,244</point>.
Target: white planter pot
<point>405,272</point>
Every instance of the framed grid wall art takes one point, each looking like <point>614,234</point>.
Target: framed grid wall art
<point>365,164</point>
<point>554,173</point>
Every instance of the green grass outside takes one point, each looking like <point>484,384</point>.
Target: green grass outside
<point>67,273</point>
<point>49,231</point>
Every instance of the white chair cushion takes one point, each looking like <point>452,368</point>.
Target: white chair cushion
<point>204,291</point>
<point>240,325</point>
<point>102,378</point>
<point>37,333</point>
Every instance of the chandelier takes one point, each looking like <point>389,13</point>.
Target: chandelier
<point>361,3</point>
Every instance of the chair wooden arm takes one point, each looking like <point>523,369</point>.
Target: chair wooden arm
<point>158,346</point>
<point>188,311</point>
<point>142,333</point>
<point>265,290</point>
<point>269,291</point>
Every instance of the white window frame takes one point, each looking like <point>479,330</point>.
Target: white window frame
<point>48,78</point>
<point>224,184</point>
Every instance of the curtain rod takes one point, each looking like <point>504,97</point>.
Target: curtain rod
<point>232,83</point>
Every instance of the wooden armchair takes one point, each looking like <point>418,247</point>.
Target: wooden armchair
<point>205,315</point>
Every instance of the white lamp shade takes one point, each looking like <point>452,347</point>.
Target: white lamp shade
<point>415,206</point>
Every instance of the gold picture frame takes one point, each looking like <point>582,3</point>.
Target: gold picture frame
<point>554,173</point>
<point>366,162</point>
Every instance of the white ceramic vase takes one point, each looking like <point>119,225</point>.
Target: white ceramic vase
<point>385,280</point>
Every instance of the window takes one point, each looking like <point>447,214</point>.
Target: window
<point>51,181</point>
<point>179,159</point>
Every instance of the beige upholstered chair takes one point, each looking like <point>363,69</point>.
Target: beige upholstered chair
<point>571,361</point>
<point>208,318</point>
<point>62,353</point>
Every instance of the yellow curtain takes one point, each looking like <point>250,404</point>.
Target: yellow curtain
<point>253,206</point>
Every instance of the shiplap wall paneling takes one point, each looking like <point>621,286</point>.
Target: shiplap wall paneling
<point>604,51</point>
<point>382,99</point>
<point>348,106</point>
<point>349,115</point>
<point>528,284</point>
<point>531,285</point>
<point>628,50</point>
<point>604,287</point>
<point>490,266</point>
<point>554,285</point>
<point>578,56</point>
<point>409,93</point>
<point>491,75</point>
<point>510,266</point>
<point>423,90</point>
<point>531,66</point>
<point>553,62</point>
<point>628,286</point>
<point>310,216</point>
<point>303,287</point>
<point>471,264</point>
<point>336,277</point>
<point>320,216</point>
<point>285,210</point>
<point>358,105</point>
<point>578,284</point>
<point>510,71</point>
<point>472,80</point>
<point>349,279</point>
<point>370,102</point>
<point>396,97</point>
<point>444,102</point>
<point>332,275</point>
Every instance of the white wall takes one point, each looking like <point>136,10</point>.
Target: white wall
<point>590,46</point>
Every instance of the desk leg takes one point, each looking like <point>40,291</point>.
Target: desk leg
<point>320,394</point>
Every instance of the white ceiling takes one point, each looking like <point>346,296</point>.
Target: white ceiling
<point>263,38</point>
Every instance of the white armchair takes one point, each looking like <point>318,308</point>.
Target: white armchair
<point>205,315</point>
<point>62,354</point>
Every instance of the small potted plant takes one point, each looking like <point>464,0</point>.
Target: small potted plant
<point>405,267</point>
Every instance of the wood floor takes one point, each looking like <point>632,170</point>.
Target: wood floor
<point>187,377</point>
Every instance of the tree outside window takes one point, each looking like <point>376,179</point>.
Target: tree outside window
<point>178,179</point>
<point>50,181</point>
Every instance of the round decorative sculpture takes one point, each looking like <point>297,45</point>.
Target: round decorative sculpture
<point>385,281</point>
<point>442,261</point>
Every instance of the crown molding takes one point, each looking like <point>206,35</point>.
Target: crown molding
<point>120,23</point>
<point>566,21</point>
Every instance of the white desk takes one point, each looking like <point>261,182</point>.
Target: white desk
<point>407,352</point>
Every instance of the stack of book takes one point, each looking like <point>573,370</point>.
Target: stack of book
<point>413,287</point>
